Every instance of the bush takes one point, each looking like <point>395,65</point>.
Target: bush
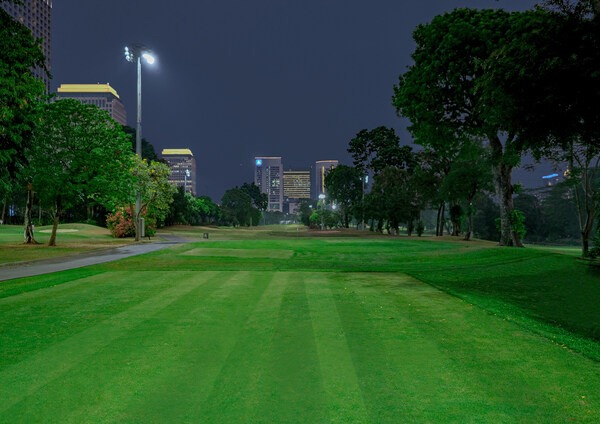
<point>120,224</point>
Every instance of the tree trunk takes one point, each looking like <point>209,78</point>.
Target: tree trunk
<point>504,191</point>
<point>132,209</point>
<point>470,225</point>
<point>52,241</point>
<point>441,219</point>
<point>437,222</point>
<point>4,209</point>
<point>29,237</point>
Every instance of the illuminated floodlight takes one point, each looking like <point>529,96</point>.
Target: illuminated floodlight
<point>322,196</point>
<point>187,172</point>
<point>258,162</point>
<point>550,176</point>
<point>149,58</point>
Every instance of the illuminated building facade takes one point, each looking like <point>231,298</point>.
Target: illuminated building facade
<point>322,167</point>
<point>268,176</point>
<point>296,186</point>
<point>101,95</point>
<point>37,16</point>
<point>180,161</point>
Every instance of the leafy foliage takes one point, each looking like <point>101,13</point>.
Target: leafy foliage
<point>20,92</point>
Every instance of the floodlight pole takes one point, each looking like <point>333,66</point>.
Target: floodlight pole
<point>138,144</point>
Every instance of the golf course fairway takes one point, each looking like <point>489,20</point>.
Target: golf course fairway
<point>306,330</point>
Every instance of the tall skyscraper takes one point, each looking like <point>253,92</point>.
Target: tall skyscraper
<point>268,174</point>
<point>183,168</point>
<point>101,95</point>
<point>322,167</point>
<point>37,16</point>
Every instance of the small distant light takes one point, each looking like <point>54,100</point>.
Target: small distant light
<point>258,162</point>
<point>550,176</point>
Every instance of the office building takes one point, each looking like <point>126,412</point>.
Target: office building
<point>268,174</point>
<point>322,167</point>
<point>183,168</point>
<point>37,16</point>
<point>296,186</point>
<point>101,95</point>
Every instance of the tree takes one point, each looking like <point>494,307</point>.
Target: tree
<point>468,176</point>
<point>305,210</point>
<point>236,206</point>
<point>20,93</point>
<point>344,186</point>
<point>561,121</point>
<point>378,149</point>
<point>443,93</point>
<point>151,179</point>
<point>148,151</point>
<point>77,152</point>
<point>260,200</point>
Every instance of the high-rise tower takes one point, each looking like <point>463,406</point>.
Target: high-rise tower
<point>183,168</point>
<point>322,167</point>
<point>101,95</point>
<point>268,176</point>
<point>37,16</point>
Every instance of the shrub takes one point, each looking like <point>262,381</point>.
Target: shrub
<point>120,223</point>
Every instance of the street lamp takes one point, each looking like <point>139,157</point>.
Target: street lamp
<point>322,198</point>
<point>133,54</point>
<point>187,174</point>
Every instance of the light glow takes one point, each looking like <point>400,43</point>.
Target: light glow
<point>149,58</point>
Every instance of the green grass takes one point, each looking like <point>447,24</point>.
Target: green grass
<point>71,239</point>
<point>346,329</point>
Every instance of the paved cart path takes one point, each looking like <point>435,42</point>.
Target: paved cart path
<point>46,266</point>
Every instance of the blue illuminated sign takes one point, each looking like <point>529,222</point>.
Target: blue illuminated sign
<point>550,176</point>
<point>258,162</point>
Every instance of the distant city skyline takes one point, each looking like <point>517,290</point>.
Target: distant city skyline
<point>291,79</point>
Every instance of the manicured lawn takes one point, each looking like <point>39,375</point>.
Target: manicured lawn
<point>70,239</point>
<point>295,329</point>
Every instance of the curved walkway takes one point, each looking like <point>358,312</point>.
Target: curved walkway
<point>46,266</point>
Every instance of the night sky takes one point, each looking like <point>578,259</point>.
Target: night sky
<point>236,79</point>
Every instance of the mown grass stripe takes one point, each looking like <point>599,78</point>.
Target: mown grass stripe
<point>28,376</point>
<point>290,387</point>
<point>340,382</point>
<point>235,394</point>
<point>178,389</point>
<point>120,370</point>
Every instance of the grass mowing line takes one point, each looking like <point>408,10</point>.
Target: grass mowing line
<point>344,398</point>
<point>130,366</point>
<point>290,387</point>
<point>33,373</point>
<point>398,366</point>
<point>234,395</point>
<point>178,391</point>
<point>30,284</point>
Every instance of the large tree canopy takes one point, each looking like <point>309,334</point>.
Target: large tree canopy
<point>441,93</point>
<point>77,152</point>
